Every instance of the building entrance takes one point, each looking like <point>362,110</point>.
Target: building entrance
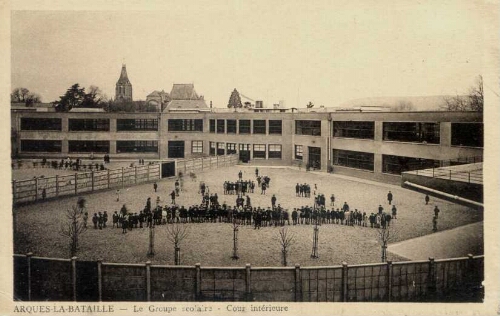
<point>244,152</point>
<point>315,157</point>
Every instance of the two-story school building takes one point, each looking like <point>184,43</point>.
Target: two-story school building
<point>373,145</point>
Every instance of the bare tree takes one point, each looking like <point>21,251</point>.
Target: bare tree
<point>476,95</point>
<point>73,228</point>
<point>473,101</point>
<point>286,240</point>
<point>403,106</point>
<point>310,105</point>
<point>23,95</point>
<point>176,232</point>
<point>386,233</point>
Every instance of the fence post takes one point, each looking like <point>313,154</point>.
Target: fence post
<point>197,293</point>
<point>14,189</point>
<point>148,173</point>
<point>298,284</point>
<point>135,176</point>
<point>122,177</point>
<point>344,281</point>
<point>109,180</point>
<point>469,176</point>
<point>248,291</point>
<point>450,174</point>
<point>217,160</point>
<point>389,280</point>
<point>201,164</point>
<point>99,279</point>
<point>57,185</point>
<point>28,260</point>
<point>36,189</point>
<point>148,281</point>
<point>92,179</point>
<point>432,278</point>
<point>76,183</point>
<point>73,276</point>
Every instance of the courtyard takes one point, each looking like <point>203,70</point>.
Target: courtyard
<point>210,244</point>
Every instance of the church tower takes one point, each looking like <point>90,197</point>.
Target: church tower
<point>123,90</point>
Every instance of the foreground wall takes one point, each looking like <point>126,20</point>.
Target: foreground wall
<point>44,279</point>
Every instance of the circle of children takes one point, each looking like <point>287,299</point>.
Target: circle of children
<point>242,213</point>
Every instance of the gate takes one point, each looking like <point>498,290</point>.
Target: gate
<point>167,169</point>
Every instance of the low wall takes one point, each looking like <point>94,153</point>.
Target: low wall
<point>471,191</point>
<point>448,280</point>
<point>368,175</point>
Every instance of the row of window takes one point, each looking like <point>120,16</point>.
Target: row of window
<point>462,134</point>
<point>220,126</point>
<point>87,146</point>
<point>91,125</point>
<point>259,150</point>
<point>390,163</point>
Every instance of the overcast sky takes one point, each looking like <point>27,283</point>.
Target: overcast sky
<point>327,52</point>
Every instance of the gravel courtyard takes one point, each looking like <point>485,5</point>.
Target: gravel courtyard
<point>38,225</point>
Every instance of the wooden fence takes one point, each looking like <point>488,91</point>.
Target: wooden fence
<point>448,280</point>
<point>37,189</point>
<point>205,163</point>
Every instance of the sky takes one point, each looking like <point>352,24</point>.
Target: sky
<point>326,52</point>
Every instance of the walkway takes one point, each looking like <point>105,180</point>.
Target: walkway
<point>451,243</point>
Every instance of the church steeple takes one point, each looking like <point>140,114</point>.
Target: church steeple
<point>123,86</point>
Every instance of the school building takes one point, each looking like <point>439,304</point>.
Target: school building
<point>372,145</point>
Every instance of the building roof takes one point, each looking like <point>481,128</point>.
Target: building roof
<point>123,76</point>
<point>183,92</point>
<point>86,110</point>
<point>186,105</point>
<point>157,93</point>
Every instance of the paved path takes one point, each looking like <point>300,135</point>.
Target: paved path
<point>451,243</point>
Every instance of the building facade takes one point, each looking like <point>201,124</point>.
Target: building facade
<point>373,145</point>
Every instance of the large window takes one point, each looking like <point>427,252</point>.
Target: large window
<point>88,146</point>
<point>244,127</point>
<point>467,134</point>
<point>275,127</point>
<point>40,124</point>
<point>213,148</point>
<point>136,125</point>
<point>136,146</point>
<point>275,151</point>
<point>38,145</point>
<point>399,164</point>
<point>197,146</point>
<point>259,126</point>
<point>354,129</point>
<point>231,126</point>
<point>414,132</point>
<point>230,148</point>
<point>353,159</point>
<point>221,149</point>
<point>259,151</point>
<point>175,149</point>
<point>96,125</point>
<point>312,128</point>
<point>299,152</point>
<point>185,125</point>
<point>221,126</point>
<point>212,126</point>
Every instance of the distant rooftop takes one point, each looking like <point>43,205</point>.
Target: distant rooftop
<point>183,92</point>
